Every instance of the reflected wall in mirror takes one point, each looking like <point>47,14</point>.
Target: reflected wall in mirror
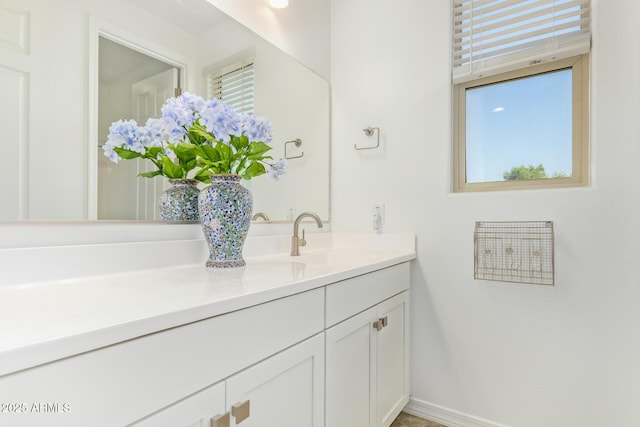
<point>52,84</point>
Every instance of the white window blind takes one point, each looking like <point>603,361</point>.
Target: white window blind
<point>233,85</point>
<point>496,36</point>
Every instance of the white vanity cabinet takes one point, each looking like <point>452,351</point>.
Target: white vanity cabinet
<point>252,354</point>
<point>367,349</point>
<point>270,350</point>
<point>204,409</point>
<point>285,390</point>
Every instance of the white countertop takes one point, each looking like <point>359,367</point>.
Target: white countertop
<point>43,321</point>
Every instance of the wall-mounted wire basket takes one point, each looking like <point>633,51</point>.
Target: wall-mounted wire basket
<point>515,251</point>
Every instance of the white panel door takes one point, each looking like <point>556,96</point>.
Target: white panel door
<point>148,95</point>
<point>13,144</point>
<point>392,354</point>
<point>194,411</point>
<point>16,67</point>
<point>121,193</point>
<point>348,383</point>
<point>285,390</point>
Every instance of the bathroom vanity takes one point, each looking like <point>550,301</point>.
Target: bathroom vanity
<point>316,340</point>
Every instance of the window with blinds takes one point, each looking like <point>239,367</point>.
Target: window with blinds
<point>520,73</point>
<point>496,36</point>
<point>234,85</point>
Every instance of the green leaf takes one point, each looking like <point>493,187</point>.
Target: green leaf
<point>255,169</point>
<point>185,151</point>
<point>241,164</point>
<point>239,142</point>
<point>257,149</point>
<point>196,139</point>
<point>227,155</point>
<point>197,130</point>
<point>207,152</point>
<point>226,152</point>
<point>190,165</point>
<point>126,153</point>
<point>264,158</point>
<point>203,163</point>
<point>171,170</point>
<point>152,152</point>
<point>150,174</point>
<point>203,176</point>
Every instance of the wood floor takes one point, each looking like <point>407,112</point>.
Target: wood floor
<point>406,420</point>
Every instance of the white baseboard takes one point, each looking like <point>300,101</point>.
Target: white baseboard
<point>446,416</point>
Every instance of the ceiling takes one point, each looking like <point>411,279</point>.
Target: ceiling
<point>193,16</point>
<point>117,62</point>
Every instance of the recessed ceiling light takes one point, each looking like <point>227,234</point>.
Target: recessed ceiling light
<point>498,109</point>
<point>279,4</point>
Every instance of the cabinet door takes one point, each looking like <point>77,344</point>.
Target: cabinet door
<point>285,390</point>
<point>392,359</point>
<point>194,411</point>
<point>348,377</point>
<point>367,377</point>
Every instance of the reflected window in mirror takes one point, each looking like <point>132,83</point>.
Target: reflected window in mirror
<point>234,85</point>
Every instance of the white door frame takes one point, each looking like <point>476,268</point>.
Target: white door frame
<point>101,28</point>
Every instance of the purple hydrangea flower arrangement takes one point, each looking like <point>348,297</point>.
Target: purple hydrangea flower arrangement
<point>195,139</point>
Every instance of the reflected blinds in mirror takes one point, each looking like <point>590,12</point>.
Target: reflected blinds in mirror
<point>233,85</point>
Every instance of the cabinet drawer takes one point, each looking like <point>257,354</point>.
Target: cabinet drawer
<point>351,296</point>
<point>122,383</point>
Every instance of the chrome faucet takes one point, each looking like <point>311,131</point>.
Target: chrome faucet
<point>296,241</point>
<point>261,215</point>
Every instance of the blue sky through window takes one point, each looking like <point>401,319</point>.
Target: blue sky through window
<point>520,122</point>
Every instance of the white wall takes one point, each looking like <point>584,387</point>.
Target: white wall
<point>513,354</point>
<point>301,30</point>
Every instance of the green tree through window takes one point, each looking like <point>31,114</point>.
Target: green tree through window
<point>519,173</point>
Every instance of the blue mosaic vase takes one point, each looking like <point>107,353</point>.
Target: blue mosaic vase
<point>225,214</point>
<point>179,203</point>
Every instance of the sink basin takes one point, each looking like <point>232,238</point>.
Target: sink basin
<point>330,257</point>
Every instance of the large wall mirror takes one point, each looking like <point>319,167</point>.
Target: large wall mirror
<point>71,67</point>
